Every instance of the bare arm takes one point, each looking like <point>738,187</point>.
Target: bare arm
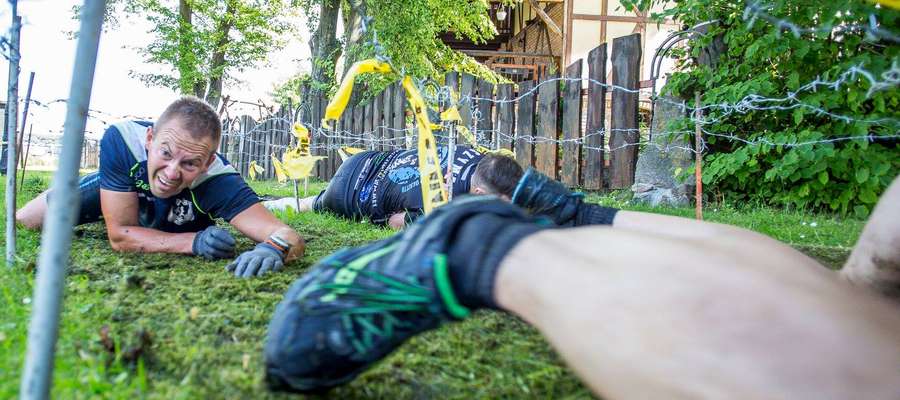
<point>120,211</point>
<point>258,224</point>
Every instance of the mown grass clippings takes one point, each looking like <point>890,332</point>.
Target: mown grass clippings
<point>176,327</point>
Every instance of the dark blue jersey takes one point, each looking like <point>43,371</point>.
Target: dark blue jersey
<point>219,193</point>
<point>389,182</point>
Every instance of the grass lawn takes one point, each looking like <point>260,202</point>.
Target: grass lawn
<point>178,327</point>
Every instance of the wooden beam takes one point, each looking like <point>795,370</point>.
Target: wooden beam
<point>619,18</point>
<point>489,53</point>
<point>546,18</point>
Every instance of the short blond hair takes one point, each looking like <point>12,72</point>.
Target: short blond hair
<point>196,116</point>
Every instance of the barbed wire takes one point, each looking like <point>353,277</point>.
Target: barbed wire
<point>755,10</point>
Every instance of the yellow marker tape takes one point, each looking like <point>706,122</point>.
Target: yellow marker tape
<point>254,169</point>
<point>895,4</point>
<point>297,165</point>
<point>342,97</point>
<point>279,169</point>
<point>434,194</point>
<point>352,150</point>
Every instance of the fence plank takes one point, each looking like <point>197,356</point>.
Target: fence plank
<point>485,124</point>
<point>368,128</point>
<point>505,116</point>
<point>309,117</point>
<point>466,92</point>
<point>594,155</point>
<point>358,135</point>
<point>377,128</point>
<point>570,167</point>
<point>525,126</point>
<point>387,97</point>
<point>623,139</point>
<point>545,147</point>
<point>399,119</point>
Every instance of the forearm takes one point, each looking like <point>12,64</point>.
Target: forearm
<point>145,240</point>
<point>773,311</point>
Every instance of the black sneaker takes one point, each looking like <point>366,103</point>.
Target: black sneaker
<point>356,306</point>
<point>543,196</point>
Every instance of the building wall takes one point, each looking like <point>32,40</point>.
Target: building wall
<point>593,22</point>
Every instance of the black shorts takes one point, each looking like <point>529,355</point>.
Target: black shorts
<point>340,196</point>
<point>89,199</point>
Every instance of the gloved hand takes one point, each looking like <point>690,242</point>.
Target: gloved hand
<point>213,243</point>
<point>262,259</point>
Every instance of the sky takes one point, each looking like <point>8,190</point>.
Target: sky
<point>47,51</point>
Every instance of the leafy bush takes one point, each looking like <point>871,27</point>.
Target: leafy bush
<point>822,169</point>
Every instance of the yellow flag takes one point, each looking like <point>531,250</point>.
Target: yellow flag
<point>254,169</point>
<point>279,169</point>
<point>297,165</point>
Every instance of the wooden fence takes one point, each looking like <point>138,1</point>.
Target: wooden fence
<point>541,121</point>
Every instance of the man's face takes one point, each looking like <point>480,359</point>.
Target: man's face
<point>175,159</point>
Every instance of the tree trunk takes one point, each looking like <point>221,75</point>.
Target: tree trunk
<point>217,67</point>
<point>352,31</point>
<point>187,64</point>
<point>325,50</point>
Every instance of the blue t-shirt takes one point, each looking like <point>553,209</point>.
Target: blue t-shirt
<point>219,193</point>
<point>390,182</point>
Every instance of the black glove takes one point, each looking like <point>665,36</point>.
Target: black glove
<point>262,259</point>
<point>213,243</point>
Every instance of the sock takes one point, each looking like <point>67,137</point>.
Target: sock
<point>478,247</point>
<point>594,214</point>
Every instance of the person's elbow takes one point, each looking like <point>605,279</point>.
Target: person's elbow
<point>118,240</point>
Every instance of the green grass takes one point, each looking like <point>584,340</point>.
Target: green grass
<point>177,327</point>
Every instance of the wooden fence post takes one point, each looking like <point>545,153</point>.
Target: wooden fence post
<point>505,116</point>
<point>570,168</point>
<point>698,168</point>
<point>594,160</point>
<point>466,92</point>
<point>368,130</point>
<point>545,148</point>
<point>399,120</point>
<point>377,124</point>
<point>525,125</point>
<point>485,124</point>
<point>626,59</point>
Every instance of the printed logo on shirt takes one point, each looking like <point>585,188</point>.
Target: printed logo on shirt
<point>406,177</point>
<point>182,212</point>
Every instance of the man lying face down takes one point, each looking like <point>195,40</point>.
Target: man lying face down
<point>161,186</point>
<point>384,186</point>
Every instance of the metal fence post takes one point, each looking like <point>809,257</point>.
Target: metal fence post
<point>57,230</point>
<point>12,113</point>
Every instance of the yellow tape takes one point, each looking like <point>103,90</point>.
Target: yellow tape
<point>434,194</point>
<point>279,169</point>
<point>895,4</point>
<point>337,105</point>
<point>254,169</point>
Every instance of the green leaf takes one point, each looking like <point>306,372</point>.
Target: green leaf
<point>798,116</point>
<point>793,81</point>
<point>861,212</point>
<point>862,175</point>
<point>823,177</point>
<point>868,196</point>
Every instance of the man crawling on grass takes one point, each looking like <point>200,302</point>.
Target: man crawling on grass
<point>384,186</point>
<point>161,186</point>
